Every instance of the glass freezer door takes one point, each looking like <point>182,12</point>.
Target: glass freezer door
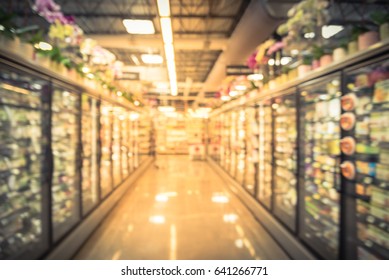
<point>125,145</point>
<point>116,146</point>
<point>241,147</point>
<point>89,123</point>
<point>265,174</point>
<point>65,141</point>
<point>285,160</point>
<point>368,93</point>
<point>252,149</point>
<point>106,182</point>
<point>319,165</point>
<point>23,227</point>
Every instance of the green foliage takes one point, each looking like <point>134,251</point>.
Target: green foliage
<point>379,17</point>
<point>7,27</point>
<point>285,69</point>
<point>358,30</point>
<point>317,52</point>
<point>307,59</point>
<point>36,38</point>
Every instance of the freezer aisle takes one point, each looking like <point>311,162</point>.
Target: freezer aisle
<point>180,209</point>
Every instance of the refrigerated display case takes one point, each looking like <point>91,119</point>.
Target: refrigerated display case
<point>125,144</point>
<point>285,159</point>
<point>214,141</point>
<point>89,128</point>
<point>365,120</point>
<point>116,147</point>
<point>106,179</point>
<point>240,148</point>
<point>252,149</point>
<point>65,187</point>
<point>265,174</point>
<point>319,165</point>
<point>225,142</point>
<point>23,223</point>
<point>233,142</point>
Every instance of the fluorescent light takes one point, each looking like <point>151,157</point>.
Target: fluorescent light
<point>85,69</point>
<point>233,93</point>
<point>167,33</point>
<point>165,109</point>
<point>328,31</point>
<point>255,77</point>
<point>169,52</point>
<point>285,60</point>
<point>135,59</point>
<point>163,8</point>
<point>43,46</point>
<point>240,87</point>
<point>173,87</point>
<point>309,35</point>
<point>139,26</point>
<point>158,219</point>
<point>152,58</point>
<point>134,116</point>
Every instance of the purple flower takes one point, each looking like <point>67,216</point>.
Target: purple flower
<point>46,5</point>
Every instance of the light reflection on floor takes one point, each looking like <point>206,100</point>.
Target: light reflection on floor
<point>181,210</point>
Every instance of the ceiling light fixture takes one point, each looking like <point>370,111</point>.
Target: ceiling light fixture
<point>43,46</point>
<point>152,58</point>
<point>163,8</point>
<point>285,60</point>
<point>255,77</point>
<point>240,87</point>
<point>327,31</point>
<point>139,26</point>
<point>166,109</point>
<point>167,36</point>
<point>167,33</point>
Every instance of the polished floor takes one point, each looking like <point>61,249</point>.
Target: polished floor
<point>180,209</point>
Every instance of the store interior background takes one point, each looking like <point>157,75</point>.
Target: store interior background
<point>287,100</point>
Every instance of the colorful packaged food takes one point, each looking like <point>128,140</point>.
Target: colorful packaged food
<point>348,170</point>
<point>367,168</point>
<point>382,172</point>
<point>347,145</point>
<point>347,121</point>
<point>349,102</point>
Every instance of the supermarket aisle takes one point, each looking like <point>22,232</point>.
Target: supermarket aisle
<point>180,210</point>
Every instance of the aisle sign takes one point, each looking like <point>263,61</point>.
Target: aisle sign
<point>238,70</point>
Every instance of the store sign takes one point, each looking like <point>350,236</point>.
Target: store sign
<point>129,76</point>
<point>238,70</point>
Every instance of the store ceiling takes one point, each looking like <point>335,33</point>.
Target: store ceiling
<point>205,32</point>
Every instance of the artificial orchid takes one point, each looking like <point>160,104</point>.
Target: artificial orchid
<point>275,47</point>
<point>251,61</point>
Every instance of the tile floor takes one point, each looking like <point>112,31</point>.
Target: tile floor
<point>180,209</point>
